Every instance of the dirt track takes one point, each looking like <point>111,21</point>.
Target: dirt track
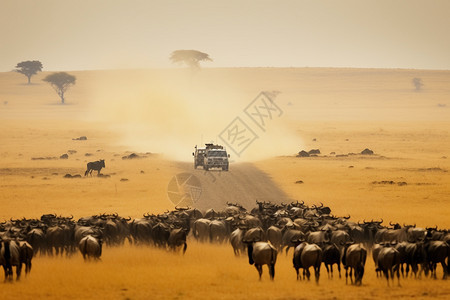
<point>243,183</point>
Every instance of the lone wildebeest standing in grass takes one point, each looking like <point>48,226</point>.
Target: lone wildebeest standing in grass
<point>91,246</point>
<point>95,165</point>
<point>262,253</point>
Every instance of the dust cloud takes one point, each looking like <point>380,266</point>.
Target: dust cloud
<point>170,111</point>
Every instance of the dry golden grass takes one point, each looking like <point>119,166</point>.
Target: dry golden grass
<point>159,111</point>
<point>205,271</point>
<point>411,153</point>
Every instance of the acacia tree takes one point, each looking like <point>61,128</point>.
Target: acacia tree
<point>60,81</point>
<point>191,58</point>
<point>29,68</point>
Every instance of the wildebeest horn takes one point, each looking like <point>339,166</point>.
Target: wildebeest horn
<point>347,217</point>
<point>321,204</point>
<point>71,217</point>
<point>390,223</point>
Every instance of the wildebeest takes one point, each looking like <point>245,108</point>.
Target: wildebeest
<point>354,257</point>
<point>415,256</point>
<point>37,239</point>
<point>218,231</point>
<point>236,241</point>
<point>90,246</point>
<point>330,256</point>
<point>305,256</point>
<point>275,236</point>
<point>9,258</point>
<point>262,253</point>
<point>389,262</point>
<point>290,235</point>
<point>95,165</point>
<point>437,252</point>
<point>200,229</point>
<point>26,255</point>
<point>177,238</point>
<point>375,251</point>
<point>256,234</point>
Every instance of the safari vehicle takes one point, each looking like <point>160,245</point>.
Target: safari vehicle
<point>212,156</point>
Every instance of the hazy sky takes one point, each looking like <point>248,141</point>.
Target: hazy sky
<point>105,34</point>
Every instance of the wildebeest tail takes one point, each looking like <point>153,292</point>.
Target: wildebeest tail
<point>184,247</point>
<point>194,230</point>
<point>272,255</point>
<point>344,257</point>
<point>318,259</point>
<point>250,254</point>
<point>361,263</point>
<point>84,252</point>
<point>448,257</point>
<point>272,263</point>
<point>7,254</point>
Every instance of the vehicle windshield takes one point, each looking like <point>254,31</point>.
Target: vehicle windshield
<point>217,153</point>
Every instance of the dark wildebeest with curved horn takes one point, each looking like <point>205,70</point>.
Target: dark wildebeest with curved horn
<point>95,165</point>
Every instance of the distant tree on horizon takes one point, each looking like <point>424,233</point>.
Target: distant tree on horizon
<point>417,83</point>
<point>29,68</point>
<point>191,58</point>
<point>60,81</point>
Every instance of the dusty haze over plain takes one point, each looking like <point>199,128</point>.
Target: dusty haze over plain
<point>82,35</point>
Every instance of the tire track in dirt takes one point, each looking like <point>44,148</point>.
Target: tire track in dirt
<point>243,183</point>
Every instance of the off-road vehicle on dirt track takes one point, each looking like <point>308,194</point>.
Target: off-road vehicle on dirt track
<point>212,156</point>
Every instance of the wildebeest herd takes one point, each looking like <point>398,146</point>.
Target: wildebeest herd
<point>317,236</point>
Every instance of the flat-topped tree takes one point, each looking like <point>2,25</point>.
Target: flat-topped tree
<point>60,81</point>
<point>29,68</point>
<point>191,58</point>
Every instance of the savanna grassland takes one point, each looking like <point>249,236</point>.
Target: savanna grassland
<point>162,114</point>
